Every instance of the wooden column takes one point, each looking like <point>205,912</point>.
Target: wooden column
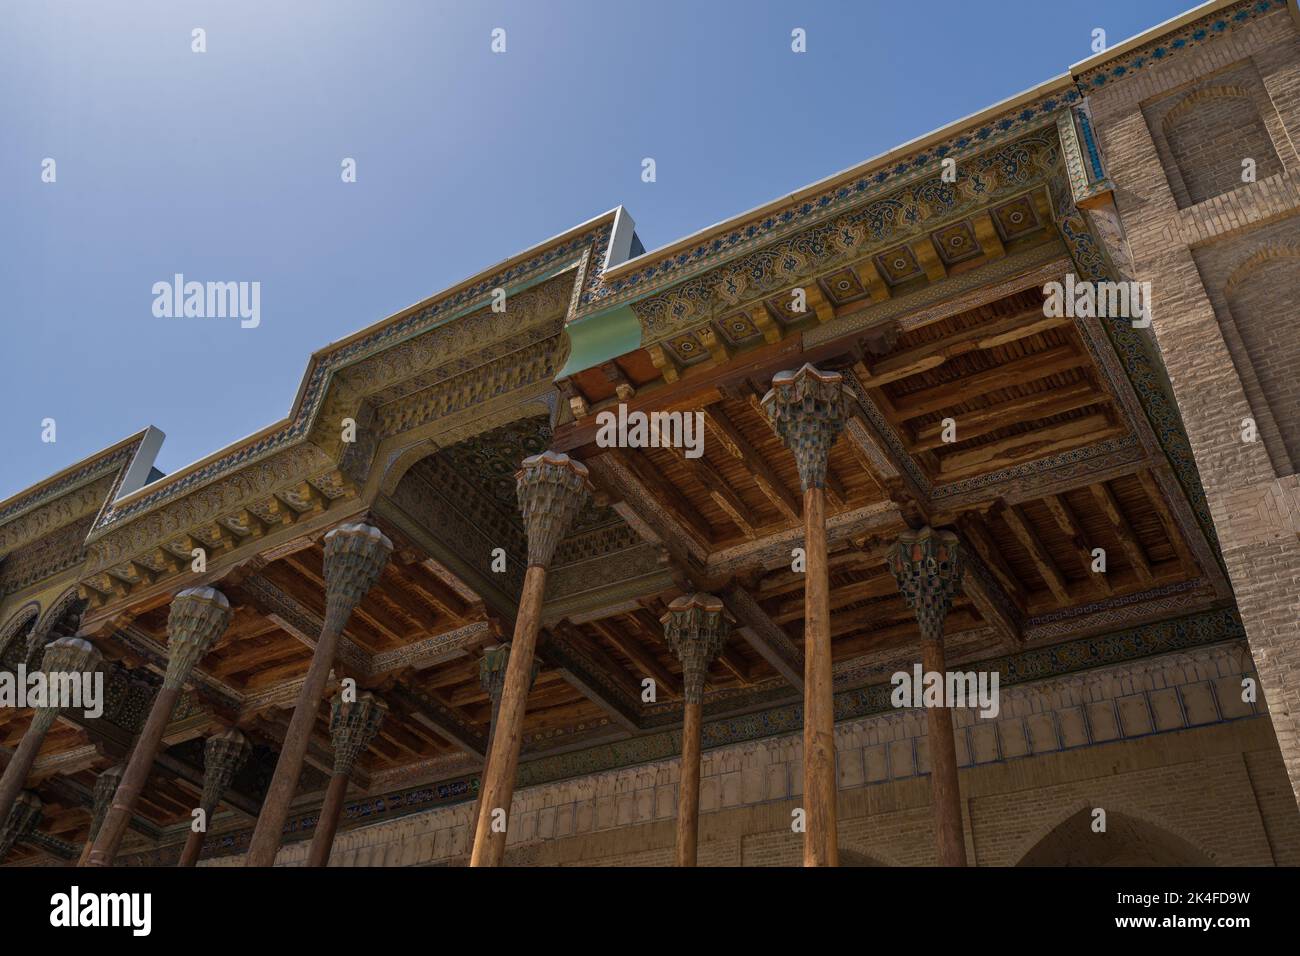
<point>353,724</point>
<point>67,655</point>
<point>21,820</point>
<point>695,627</point>
<point>806,408</point>
<point>927,566</point>
<point>355,554</point>
<point>552,488</point>
<point>223,755</point>
<point>492,678</point>
<point>198,617</point>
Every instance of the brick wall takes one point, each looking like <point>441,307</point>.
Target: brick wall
<point>1256,506</point>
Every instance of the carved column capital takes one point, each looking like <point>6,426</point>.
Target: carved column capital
<point>695,627</point>
<point>105,786</point>
<point>198,617</point>
<point>223,755</point>
<point>927,566</point>
<point>352,726</point>
<point>22,820</point>
<point>807,409</point>
<point>492,671</point>
<point>355,555</point>
<point>552,487</point>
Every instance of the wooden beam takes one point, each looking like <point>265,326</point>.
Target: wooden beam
<point>764,322</point>
<point>665,495</point>
<point>1047,570</point>
<point>980,422</point>
<point>1110,507</point>
<point>764,635</point>
<point>439,716</point>
<point>590,670</point>
<point>1027,446</point>
<point>664,362</point>
<point>933,354</point>
<point>641,657</point>
<point>1031,368</point>
<point>986,234</point>
<point>869,276</point>
<point>764,476</point>
<point>929,259</point>
<point>1070,527</point>
<point>723,495</point>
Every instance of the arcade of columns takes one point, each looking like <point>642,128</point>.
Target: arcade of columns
<point>806,409</point>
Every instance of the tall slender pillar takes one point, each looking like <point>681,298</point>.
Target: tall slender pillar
<point>695,627</point>
<point>21,820</point>
<point>355,554</point>
<point>353,724</point>
<point>198,617</point>
<point>927,566</point>
<point>807,410</point>
<point>492,678</point>
<point>551,488</point>
<point>66,659</point>
<point>223,755</point>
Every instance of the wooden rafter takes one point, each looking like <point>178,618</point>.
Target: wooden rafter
<point>767,480</point>
<point>1046,568</point>
<point>1123,530</point>
<point>1069,526</point>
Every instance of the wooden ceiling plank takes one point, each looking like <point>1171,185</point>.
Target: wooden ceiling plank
<point>1154,494</point>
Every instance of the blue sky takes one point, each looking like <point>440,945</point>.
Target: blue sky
<point>225,165</point>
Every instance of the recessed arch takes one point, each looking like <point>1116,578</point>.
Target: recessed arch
<point>1129,840</point>
<point>1210,134</point>
<point>16,632</point>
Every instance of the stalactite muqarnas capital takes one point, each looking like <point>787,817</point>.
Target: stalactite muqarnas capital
<point>927,566</point>
<point>695,627</point>
<point>807,409</point>
<point>355,556</point>
<point>492,670</point>
<point>223,755</point>
<point>23,818</point>
<point>353,724</point>
<point>552,487</point>
<point>198,617</point>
